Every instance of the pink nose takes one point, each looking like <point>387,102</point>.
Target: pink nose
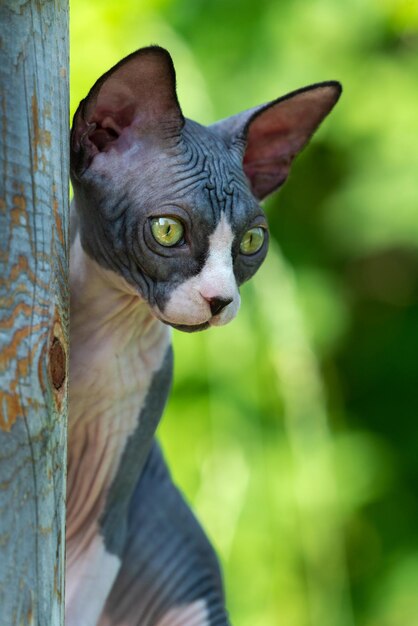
<point>218,304</point>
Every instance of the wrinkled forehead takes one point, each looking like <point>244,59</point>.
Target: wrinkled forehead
<point>213,177</point>
<point>197,173</point>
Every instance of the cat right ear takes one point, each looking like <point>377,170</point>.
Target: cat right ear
<point>138,95</point>
<point>271,135</point>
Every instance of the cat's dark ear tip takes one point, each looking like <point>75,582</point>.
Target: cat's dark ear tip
<point>329,92</point>
<point>335,86</point>
<point>152,49</point>
<point>332,83</point>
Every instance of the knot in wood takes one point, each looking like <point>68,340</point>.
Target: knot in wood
<point>57,363</point>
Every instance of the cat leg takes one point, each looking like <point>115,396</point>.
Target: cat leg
<point>169,575</point>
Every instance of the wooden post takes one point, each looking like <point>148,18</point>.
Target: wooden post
<point>33,309</point>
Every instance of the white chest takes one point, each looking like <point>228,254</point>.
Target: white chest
<point>116,349</point>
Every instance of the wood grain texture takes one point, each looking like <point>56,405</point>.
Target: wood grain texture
<point>33,309</point>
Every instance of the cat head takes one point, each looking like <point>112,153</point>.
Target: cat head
<point>173,206</point>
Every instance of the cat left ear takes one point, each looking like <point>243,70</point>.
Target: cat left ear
<point>274,133</point>
<point>138,95</point>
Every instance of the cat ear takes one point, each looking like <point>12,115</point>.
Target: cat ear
<point>274,133</point>
<point>137,95</point>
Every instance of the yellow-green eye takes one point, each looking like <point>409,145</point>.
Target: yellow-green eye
<point>252,240</point>
<point>168,231</point>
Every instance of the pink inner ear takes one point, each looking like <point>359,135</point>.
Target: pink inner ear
<point>113,111</point>
<point>277,133</point>
<point>109,124</point>
<point>268,157</point>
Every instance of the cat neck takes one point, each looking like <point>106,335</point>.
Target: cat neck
<point>104,306</point>
<point>117,346</point>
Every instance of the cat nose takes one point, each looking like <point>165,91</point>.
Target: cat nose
<point>218,304</point>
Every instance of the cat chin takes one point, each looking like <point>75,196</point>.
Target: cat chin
<point>216,320</point>
<point>186,328</point>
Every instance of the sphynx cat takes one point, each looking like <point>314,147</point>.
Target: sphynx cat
<point>166,226</point>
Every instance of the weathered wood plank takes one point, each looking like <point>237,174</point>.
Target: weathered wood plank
<point>33,309</point>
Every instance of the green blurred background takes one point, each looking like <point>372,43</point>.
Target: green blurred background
<point>294,431</point>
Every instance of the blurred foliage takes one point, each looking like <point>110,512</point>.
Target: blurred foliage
<point>294,430</point>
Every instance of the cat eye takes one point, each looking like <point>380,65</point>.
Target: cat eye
<point>167,231</point>
<point>252,241</point>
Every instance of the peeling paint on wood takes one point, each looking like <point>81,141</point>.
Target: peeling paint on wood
<point>33,309</point>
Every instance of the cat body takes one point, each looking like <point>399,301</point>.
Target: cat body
<point>166,226</point>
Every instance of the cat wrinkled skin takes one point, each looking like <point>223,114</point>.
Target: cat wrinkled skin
<point>166,225</point>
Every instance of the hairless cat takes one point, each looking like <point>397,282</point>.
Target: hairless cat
<point>166,225</point>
